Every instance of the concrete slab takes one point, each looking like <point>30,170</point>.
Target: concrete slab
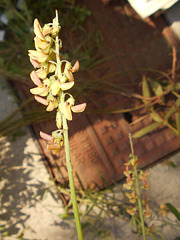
<point>29,201</point>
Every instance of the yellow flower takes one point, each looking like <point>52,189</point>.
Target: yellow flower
<point>59,119</point>
<point>43,45</point>
<point>131,211</point>
<point>38,29</point>
<point>41,91</point>
<point>66,107</point>
<point>34,62</point>
<point>129,185</point>
<point>52,103</point>
<point>56,86</point>
<point>132,196</point>
<point>35,78</point>
<point>143,175</point>
<point>163,210</point>
<point>145,185</point>
<point>51,29</point>
<point>48,29</point>
<point>132,200</point>
<point>42,72</point>
<point>41,100</point>
<point>127,172</point>
<point>38,56</point>
<point>147,212</point>
<point>55,141</point>
<point>129,195</point>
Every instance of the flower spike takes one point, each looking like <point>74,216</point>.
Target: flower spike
<point>52,77</point>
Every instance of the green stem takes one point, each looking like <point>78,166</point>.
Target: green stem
<point>135,173</point>
<point>66,144</point>
<point>71,181</point>
<point>139,202</point>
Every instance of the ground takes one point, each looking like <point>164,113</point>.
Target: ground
<point>30,204</point>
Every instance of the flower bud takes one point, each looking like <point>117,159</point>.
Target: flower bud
<point>59,119</point>
<point>55,87</point>
<point>38,29</point>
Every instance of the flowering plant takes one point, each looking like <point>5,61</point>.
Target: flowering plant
<point>135,180</point>
<point>52,78</point>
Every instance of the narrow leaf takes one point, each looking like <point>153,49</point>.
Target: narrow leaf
<point>170,112</point>
<point>177,118</point>
<point>145,130</point>
<point>172,109</point>
<point>80,182</point>
<point>177,103</point>
<point>157,89</point>
<point>145,89</point>
<point>155,116</point>
<point>175,87</point>
<point>173,210</point>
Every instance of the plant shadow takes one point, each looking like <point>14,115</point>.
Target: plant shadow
<point>22,181</point>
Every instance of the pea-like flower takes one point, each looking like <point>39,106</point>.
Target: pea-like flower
<point>136,180</point>
<point>147,213</point>
<point>54,141</point>
<point>67,107</point>
<point>131,211</point>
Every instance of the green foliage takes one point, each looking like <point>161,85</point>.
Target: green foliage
<point>173,210</point>
<point>19,34</point>
<point>145,89</point>
<point>162,102</point>
<point>146,130</point>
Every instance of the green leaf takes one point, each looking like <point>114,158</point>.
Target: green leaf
<point>157,89</point>
<point>172,109</point>
<point>145,130</point>
<point>170,112</point>
<point>80,182</point>
<point>171,164</point>
<point>66,216</point>
<point>155,116</point>
<point>173,210</point>
<point>177,118</point>
<point>145,89</point>
<point>175,87</point>
<point>85,225</point>
<point>177,103</point>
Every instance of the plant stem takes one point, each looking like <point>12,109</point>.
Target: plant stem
<point>71,181</point>
<point>135,175</point>
<point>66,144</point>
<point>139,201</point>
